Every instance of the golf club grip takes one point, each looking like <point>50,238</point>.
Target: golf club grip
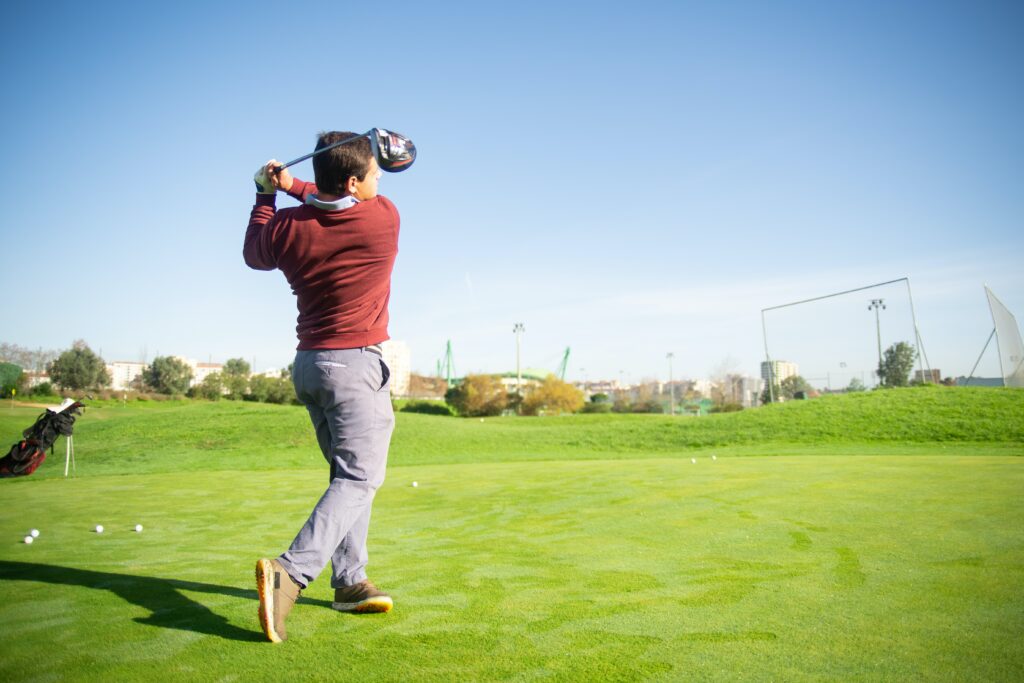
<point>339,143</point>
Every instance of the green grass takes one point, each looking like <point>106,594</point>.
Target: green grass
<point>172,436</point>
<point>580,548</point>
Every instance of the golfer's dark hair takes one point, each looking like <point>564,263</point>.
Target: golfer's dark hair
<point>333,168</point>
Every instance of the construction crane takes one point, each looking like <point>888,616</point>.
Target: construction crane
<point>448,366</point>
<point>564,364</point>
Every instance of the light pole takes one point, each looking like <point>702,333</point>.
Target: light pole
<point>874,306</point>
<point>671,387</point>
<point>518,330</point>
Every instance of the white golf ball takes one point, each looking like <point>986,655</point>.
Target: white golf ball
<point>415,484</point>
<point>34,533</point>
<point>693,460</point>
<point>99,528</point>
<point>138,527</point>
<point>28,540</point>
<point>714,457</point>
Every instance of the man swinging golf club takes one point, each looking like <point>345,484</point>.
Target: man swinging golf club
<point>337,251</point>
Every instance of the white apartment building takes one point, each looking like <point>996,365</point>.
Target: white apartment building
<point>123,373</point>
<point>200,371</point>
<point>778,370</point>
<point>398,359</point>
<point>703,387</point>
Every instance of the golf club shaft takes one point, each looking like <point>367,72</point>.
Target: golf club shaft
<point>339,143</point>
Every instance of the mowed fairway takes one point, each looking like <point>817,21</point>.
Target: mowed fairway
<point>907,563</point>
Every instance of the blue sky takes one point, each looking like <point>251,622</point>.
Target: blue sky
<point>626,180</point>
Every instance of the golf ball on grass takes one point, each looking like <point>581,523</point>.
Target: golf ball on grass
<point>99,528</point>
<point>693,460</point>
<point>28,540</point>
<point>415,484</point>
<point>34,533</point>
<point>138,527</point>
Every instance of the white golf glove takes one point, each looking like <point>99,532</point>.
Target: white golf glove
<point>264,185</point>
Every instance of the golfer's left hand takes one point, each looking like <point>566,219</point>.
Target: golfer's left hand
<point>264,179</point>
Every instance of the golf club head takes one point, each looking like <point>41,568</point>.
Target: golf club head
<point>394,151</point>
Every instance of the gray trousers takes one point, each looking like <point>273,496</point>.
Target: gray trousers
<point>348,395</point>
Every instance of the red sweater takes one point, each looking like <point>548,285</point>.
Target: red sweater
<point>338,263</point>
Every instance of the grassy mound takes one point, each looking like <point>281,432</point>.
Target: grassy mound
<point>227,435</point>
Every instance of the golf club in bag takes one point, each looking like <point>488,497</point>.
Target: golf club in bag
<point>394,152</point>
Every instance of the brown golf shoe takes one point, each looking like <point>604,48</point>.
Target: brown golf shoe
<point>362,597</point>
<point>278,594</point>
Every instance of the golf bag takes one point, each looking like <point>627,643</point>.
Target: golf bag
<point>27,455</point>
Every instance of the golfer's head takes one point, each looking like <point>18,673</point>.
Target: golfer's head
<point>349,169</point>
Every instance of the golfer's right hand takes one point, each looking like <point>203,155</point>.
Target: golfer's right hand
<point>281,178</point>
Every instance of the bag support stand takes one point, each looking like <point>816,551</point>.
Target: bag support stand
<point>69,455</point>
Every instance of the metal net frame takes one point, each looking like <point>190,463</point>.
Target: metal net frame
<point>921,355</point>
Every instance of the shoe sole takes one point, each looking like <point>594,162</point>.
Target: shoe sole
<point>265,588</point>
<point>368,606</point>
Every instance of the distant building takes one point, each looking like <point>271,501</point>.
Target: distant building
<point>590,388</point>
<point>397,358</point>
<point>123,373</point>
<point>36,378</point>
<point>201,371</point>
<point>703,387</point>
<point>932,376</point>
<point>750,389</point>
<point>778,370</point>
<point>531,377</point>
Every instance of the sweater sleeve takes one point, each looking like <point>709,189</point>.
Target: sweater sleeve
<point>301,189</point>
<point>258,247</point>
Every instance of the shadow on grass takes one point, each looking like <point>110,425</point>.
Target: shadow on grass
<point>168,607</point>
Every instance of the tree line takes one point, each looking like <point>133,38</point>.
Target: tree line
<point>81,369</point>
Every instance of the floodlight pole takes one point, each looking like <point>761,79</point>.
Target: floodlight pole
<point>671,386</point>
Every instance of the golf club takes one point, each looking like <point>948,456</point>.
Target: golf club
<point>394,151</point>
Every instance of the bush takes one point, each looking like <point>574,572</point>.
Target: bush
<point>727,408</point>
<point>427,408</point>
<point>553,396</point>
<point>622,404</point>
<point>211,388</point>
<point>602,407</point>
<point>42,389</point>
<point>651,406</point>
<point>168,375</point>
<point>270,389</point>
<point>478,396</point>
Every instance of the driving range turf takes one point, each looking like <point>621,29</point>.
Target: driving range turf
<point>875,536</point>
